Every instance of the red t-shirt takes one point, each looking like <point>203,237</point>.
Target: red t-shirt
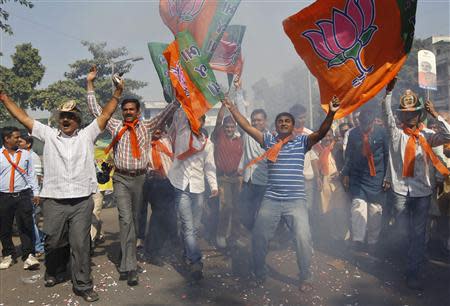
<point>227,153</point>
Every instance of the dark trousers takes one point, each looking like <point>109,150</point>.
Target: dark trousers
<point>163,221</point>
<point>20,206</point>
<point>67,225</point>
<point>251,198</point>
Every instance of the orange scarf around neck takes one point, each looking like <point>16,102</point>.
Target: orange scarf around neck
<point>131,126</point>
<point>272,153</point>
<point>410,153</point>
<point>367,152</point>
<point>14,167</point>
<point>158,147</point>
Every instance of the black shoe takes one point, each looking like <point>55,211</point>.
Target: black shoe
<point>51,281</point>
<point>132,278</point>
<point>156,261</point>
<point>88,295</point>
<point>414,283</point>
<point>197,271</point>
<point>123,276</point>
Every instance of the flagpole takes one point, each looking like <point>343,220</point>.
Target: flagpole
<point>311,120</point>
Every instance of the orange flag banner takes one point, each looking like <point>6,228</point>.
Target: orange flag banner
<point>353,47</point>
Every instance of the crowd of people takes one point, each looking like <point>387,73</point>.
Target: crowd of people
<point>382,171</point>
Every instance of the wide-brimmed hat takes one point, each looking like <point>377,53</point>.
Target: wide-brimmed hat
<point>69,107</point>
<point>410,102</point>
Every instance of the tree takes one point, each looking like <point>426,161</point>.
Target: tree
<point>4,15</point>
<point>20,80</point>
<point>74,86</point>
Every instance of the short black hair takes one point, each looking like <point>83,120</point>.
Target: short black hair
<point>130,100</point>
<point>297,110</point>
<point>28,139</point>
<point>229,119</point>
<point>8,130</point>
<point>259,111</point>
<point>285,114</point>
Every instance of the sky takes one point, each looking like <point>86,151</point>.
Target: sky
<point>57,27</point>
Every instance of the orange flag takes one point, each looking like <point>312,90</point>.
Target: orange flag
<point>353,47</point>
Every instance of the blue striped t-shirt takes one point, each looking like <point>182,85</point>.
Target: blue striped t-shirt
<point>285,176</point>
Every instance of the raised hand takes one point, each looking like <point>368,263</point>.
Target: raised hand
<point>92,74</point>
<point>429,106</point>
<point>390,86</point>
<point>335,104</point>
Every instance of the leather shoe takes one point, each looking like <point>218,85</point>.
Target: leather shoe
<point>123,276</point>
<point>132,278</point>
<point>88,295</point>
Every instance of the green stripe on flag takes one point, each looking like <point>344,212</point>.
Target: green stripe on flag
<point>224,13</point>
<point>197,67</point>
<point>160,63</point>
<point>407,10</point>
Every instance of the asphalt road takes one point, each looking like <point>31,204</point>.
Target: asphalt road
<point>341,278</point>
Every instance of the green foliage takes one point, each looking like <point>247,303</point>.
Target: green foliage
<point>20,80</point>
<point>4,15</point>
<point>74,86</point>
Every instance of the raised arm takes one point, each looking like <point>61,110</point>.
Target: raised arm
<point>161,118</point>
<point>16,111</point>
<point>219,121</point>
<point>386,111</point>
<point>243,122</point>
<point>105,114</point>
<point>443,134</point>
<point>316,136</point>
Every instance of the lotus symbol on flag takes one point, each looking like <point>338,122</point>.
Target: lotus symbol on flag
<point>185,10</point>
<point>344,36</point>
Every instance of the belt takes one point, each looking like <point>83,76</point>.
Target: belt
<point>16,194</point>
<point>132,173</point>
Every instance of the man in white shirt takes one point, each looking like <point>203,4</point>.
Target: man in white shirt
<point>193,162</point>
<point>67,188</point>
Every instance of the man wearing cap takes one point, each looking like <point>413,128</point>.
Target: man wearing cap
<point>131,143</point>
<point>411,162</point>
<point>363,174</point>
<point>67,188</point>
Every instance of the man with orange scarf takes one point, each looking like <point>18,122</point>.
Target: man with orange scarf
<point>364,170</point>
<point>411,166</point>
<point>160,194</point>
<point>131,143</point>
<point>285,197</point>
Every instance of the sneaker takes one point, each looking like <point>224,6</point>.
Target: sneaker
<point>221,242</point>
<point>139,244</point>
<point>31,263</point>
<point>7,262</point>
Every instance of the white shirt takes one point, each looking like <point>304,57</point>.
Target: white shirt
<point>193,170</point>
<point>166,161</point>
<point>256,173</point>
<point>421,184</point>
<point>69,161</point>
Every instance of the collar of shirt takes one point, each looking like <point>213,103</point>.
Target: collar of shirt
<point>63,135</point>
<point>18,149</point>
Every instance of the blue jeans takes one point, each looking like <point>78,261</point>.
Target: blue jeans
<point>295,214</point>
<point>411,215</point>
<point>38,234</point>
<point>189,208</point>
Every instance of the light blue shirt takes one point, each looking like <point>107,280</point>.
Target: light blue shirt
<point>21,181</point>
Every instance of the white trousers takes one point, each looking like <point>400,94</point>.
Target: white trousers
<point>366,217</point>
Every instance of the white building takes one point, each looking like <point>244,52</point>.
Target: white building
<point>440,45</point>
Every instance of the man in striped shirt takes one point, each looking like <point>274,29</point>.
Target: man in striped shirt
<point>131,144</point>
<point>285,194</point>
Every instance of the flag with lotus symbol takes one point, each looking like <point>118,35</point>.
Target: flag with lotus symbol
<point>228,57</point>
<point>205,19</point>
<point>193,80</point>
<point>353,47</point>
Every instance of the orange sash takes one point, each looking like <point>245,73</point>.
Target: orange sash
<point>324,159</point>
<point>367,152</point>
<point>14,166</point>
<point>410,153</point>
<point>272,153</point>
<point>191,151</point>
<point>158,147</point>
<point>131,126</point>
